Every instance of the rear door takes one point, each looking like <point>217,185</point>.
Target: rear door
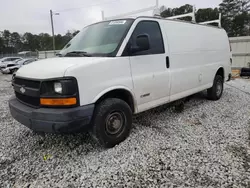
<point>150,68</point>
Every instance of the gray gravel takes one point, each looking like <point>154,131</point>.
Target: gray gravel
<point>207,145</point>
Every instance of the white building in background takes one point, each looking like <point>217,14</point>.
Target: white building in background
<point>241,51</point>
<point>47,54</point>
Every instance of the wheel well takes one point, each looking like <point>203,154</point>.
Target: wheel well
<point>221,72</point>
<point>120,94</point>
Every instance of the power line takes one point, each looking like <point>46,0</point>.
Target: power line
<point>97,4</point>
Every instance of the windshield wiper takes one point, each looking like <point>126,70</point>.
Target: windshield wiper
<point>77,54</point>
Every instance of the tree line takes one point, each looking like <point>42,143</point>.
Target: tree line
<point>15,42</point>
<point>235,15</point>
<point>235,20</point>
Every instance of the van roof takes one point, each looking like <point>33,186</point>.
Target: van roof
<point>161,18</point>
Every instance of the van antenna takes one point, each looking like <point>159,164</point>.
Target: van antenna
<point>213,21</point>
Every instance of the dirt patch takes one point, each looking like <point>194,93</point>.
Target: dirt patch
<point>241,152</point>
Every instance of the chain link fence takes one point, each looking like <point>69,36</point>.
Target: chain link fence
<point>38,54</point>
<point>21,54</point>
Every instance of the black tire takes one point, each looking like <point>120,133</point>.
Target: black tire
<point>179,105</point>
<point>244,74</point>
<point>245,70</point>
<point>215,92</point>
<point>111,115</point>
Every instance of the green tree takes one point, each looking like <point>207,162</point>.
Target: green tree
<point>207,14</point>
<point>178,11</point>
<point>245,10</point>
<point>240,25</point>
<point>75,33</point>
<point>236,17</point>
<point>15,41</point>
<point>6,38</point>
<point>67,37</point>
<point>59,42</point>
<point>31,42</point>
<point>229,9</point>
<point>45,41</point>
<point>1,42</point>
<point>168,12</point>
<point>245,6</point>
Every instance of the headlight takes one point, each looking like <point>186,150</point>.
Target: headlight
<point>63,87</point>
<point>58,87</point>
<point>59,92</point>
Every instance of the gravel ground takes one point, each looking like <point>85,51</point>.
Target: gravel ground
<point>206,145</point>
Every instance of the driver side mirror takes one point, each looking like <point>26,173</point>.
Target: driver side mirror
<point>142,43</point>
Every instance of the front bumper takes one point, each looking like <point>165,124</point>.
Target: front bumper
<point>5,71</point>
<point>48,120</point>
<point>1,69</point>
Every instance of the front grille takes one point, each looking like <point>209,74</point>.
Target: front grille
<point>11,65</point>
<point>26,98</point>
<point>31,101</point>
<point>27,83</point>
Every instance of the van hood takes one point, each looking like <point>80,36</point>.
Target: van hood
<point>53,67</point>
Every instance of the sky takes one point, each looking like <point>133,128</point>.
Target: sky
<point>33,15</point>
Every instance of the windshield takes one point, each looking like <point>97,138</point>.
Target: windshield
<point>21,61</point>
<point>4,59</point>
<point>18,60</point>
<point>101,39</point>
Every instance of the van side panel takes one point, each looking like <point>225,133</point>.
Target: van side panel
<point>216,48</point>
<point>185,57</point>
<point>196,53</point>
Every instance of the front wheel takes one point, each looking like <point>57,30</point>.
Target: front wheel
<point>112,122</point>
<point>216,91</point>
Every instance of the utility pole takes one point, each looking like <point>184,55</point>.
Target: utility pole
<point>52,26</point>
<point>157,4</point>
<point>103,17</point>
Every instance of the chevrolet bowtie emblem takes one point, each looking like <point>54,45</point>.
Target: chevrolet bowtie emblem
<point>22,89</point>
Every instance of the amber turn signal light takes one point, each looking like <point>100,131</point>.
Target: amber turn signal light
<point>58,102</point>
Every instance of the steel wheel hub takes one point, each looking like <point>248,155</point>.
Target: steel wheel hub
<point>218,88</point>
<point>114,123</point>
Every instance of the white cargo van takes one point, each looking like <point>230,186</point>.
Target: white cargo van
<point>114,69</point>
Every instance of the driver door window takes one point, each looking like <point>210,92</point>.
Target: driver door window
<point>152,29</point>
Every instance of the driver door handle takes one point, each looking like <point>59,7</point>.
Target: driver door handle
<point>167,62</point>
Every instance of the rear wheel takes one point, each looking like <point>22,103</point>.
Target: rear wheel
<point>215,92</point>
<point>112,122</point>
